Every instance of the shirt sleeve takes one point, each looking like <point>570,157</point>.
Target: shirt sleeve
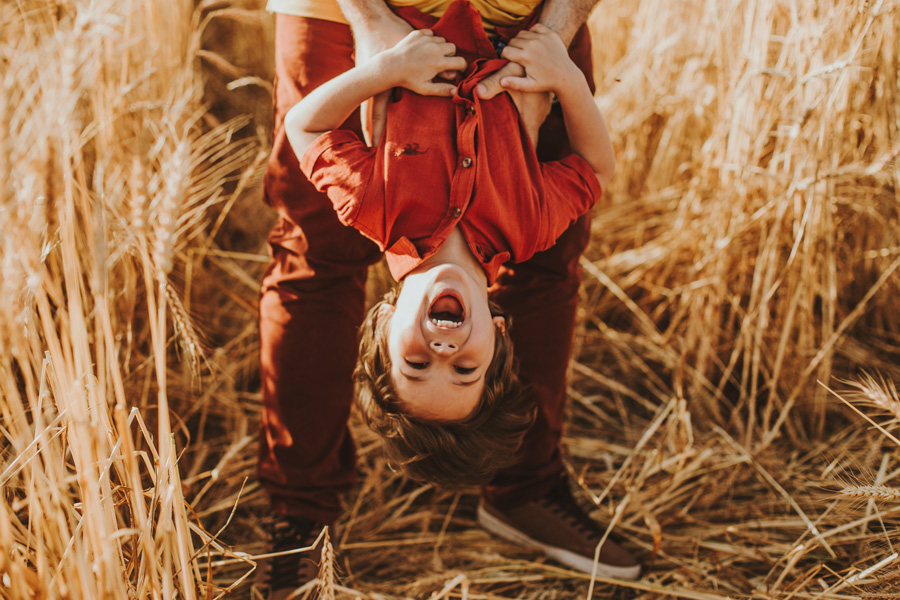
<point>570,190</point>
<point>341,166</point>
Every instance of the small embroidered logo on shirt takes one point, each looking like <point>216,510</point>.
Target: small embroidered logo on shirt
<point>409,150</point>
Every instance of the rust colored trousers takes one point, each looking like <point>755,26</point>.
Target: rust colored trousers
<point>313,300</point>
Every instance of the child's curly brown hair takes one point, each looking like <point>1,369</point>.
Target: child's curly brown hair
<point>455,454</point>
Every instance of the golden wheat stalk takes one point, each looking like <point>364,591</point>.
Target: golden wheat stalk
<point>881,493</point>
<point>105,176</point>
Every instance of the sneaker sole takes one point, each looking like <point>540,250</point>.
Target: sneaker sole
<point>571,559</point>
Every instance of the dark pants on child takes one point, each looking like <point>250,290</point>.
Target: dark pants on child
<point>313,300</point>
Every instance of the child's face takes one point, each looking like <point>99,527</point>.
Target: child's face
<point>440,341</point>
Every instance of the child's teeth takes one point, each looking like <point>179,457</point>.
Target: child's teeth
<point>445,324</point>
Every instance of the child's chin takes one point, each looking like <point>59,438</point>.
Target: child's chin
<point>446,272</point>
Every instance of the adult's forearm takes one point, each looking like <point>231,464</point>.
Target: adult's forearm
<point>564,17</point>
<point>366,15</point>
<point>375,27</point>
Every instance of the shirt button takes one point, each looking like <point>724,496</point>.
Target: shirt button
<point>457,212</point>
<point>471,110</point>
<point>466,162</point>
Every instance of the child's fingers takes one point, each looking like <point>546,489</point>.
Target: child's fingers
<point>442,48</point>
<point>525,35</point>
<point>453,63</point>
<point>520,84</point>
<point>437,89</point>
<point>516,43</point>
<point>532,44</point>
<point>448,48</point>
<point>537,49</point>
<point>516,55</point>
<point>449,66</point>
<point>490,85</point>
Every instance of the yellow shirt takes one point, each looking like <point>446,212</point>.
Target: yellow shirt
<point>494,13</point>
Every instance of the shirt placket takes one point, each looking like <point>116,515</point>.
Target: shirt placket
<point>462,183</point>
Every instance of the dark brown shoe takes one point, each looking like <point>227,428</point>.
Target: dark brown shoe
<point>556,524</point>
<point>286,574</point>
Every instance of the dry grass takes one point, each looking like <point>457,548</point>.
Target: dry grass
<point>754,225</point>
<point>748,250</point>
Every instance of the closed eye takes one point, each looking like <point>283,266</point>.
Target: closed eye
<point>464,370</point>
<point>416,365</point>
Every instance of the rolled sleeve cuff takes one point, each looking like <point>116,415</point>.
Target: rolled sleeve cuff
<point>323,143</point>
<point>587,174</point>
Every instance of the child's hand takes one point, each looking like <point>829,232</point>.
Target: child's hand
<point>418,59</point>
<point>545,58</point>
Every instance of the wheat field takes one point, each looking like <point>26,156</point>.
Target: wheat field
<point>733,411</point>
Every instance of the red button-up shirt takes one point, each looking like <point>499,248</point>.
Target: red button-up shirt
<point>452,162</point>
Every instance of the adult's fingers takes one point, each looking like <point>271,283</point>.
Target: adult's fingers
<point>490,85</point>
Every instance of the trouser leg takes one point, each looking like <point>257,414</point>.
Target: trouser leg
<point>313,299</point>
<point>541,295</point>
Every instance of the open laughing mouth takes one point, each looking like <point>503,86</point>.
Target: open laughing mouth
<point>447,312</point>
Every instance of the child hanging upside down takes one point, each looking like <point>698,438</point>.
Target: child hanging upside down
<point>418,196</point>
<point>453,191</point>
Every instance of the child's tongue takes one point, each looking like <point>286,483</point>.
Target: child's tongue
<point>447,308</point>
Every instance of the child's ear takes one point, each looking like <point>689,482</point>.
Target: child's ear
<point>500,323</point>
<point>385,311</point>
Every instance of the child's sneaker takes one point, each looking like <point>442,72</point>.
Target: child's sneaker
<point>556,524</point>
<point>282,576</point>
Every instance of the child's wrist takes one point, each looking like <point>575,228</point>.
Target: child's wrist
<point>570,86</point>
<point>384,71</point>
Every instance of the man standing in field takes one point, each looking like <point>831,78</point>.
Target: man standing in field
<point>313,300</point>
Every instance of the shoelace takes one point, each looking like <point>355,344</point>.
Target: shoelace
<point>282,535</point>
<point>560,501</point>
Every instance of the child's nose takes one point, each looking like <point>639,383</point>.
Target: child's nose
<point>443,348</point>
